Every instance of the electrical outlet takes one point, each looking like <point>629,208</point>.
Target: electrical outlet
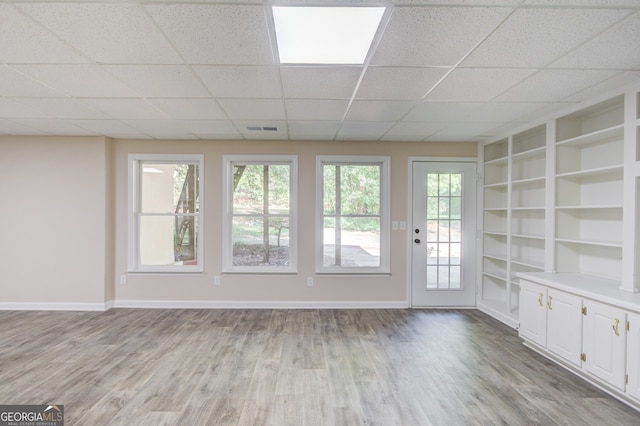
<point>394,225</point>
<point>403,225</point>
<point>309,281</point>
<point>123,280</point>
<point>216,280</point>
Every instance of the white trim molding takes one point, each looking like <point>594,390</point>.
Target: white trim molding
<point>46,306</point>
<point>256,304</point>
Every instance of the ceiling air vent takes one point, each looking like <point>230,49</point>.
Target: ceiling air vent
<point>262,128</point>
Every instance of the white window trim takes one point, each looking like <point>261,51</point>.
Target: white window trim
<point>227,239</point>
<point>385,214</point>
<point>134,179</point>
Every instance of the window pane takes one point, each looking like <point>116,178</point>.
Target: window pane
<point>359,189</point>
<point>456,184</point>
<point>248,193</point>
<point>169,188</point>
<point>168,240</point>
<point>443,208</point>
<point>455,231</point>
<point>259,241</point>
<point>278,191</point>
<point>443,188</point>
<point>432,277</point>
<point>358,242</point>
<point>329,189</point>
<point>454,280</point>
<point>432,230</point>
<point>456,207</point>
<point>432,208</point>
<point>432,184</point>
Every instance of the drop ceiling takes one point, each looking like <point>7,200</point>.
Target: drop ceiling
<point>454,70</point>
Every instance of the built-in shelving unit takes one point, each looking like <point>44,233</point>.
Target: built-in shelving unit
<point>557,199</point>
<point>589,190</point>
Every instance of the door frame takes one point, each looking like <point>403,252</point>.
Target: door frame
<point>408,238</point>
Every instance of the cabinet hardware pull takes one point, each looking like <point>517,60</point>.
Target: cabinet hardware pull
<point>549,303</point>
<point>540,299</point>
<point>616,322</point>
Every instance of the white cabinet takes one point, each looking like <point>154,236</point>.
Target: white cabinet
<point>551,319</point>
<point>533,312</point>
<point>587,324</point>
<point>633,356</point>
<point>564,325</point>
<point>605,337</point>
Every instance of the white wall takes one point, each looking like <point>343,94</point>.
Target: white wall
<point>54,220</point>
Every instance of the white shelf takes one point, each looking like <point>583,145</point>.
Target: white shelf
<point>535,152</point>
<point>495,276</point>
<point>496,185</point>
<point>592,172</point>
<point>529,236</point>
<point>529,180</point>
<point>529,263</point>
<point>541,208</point>
<point>497,161</point>
<point>497,256</point>
<point>596,137</point>
<point>590,243</point>
<point>590,207</point>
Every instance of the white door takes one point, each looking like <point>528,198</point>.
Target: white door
<point>443,234</point>
<point>564,325</point>
<point>604,337</point>
<point>533,312</point>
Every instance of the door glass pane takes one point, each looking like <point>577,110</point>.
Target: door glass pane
<point>444,238</point>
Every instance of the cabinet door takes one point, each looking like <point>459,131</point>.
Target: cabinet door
<point>605,335</point>
<point>633,356</point>
<point>533,312</point>
<point>564,325</point>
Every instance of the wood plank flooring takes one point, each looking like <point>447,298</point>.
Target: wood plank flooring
<point>289,367</point>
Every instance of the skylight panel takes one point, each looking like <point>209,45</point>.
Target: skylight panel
<point>325,35</point>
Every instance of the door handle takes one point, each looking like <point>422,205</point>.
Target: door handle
<point>540,299</point>
<point>615,325</point>
<point>417,241</point>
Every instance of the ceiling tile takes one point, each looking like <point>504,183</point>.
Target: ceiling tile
<point>61,108</point>
<point>160,81</point>
<point>78,80</point>
<point>371,110</point>
<point>9,108</point>
<point>241,81</point>
<point>106,32</point>
<point>22,40</point>
<point>535,37</point>
<point>583,3</point>
<point>14,83</point>
<point>413,131</point>
<point>398,83</point>
<point>462,131</point>
<point>616,48</point>
<point>322,82</point>
<point>441,111</point>
<point>616,82</point>
<point>160,129</point>
<point>253,109</point>
<point>194,109</point>
<point>210,127</point>
<point>103,126</point>
<point>434,36</point>
<point>553,85</point>
<point>323,109</point>
<point>313,130</point>
<point>198,29</point>
<point>358,130</point>
<point>51,126</point>
<point>135,109</point>
<point>11,127</point>
<point>477,84</point>
<point>504,112</point>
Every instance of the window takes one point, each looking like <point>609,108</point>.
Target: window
<point>353,221</point>
<point>165,225</point>
<point>260,211</point>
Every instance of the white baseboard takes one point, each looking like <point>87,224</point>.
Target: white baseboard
<point>28,306</point>
<point>241,304</point>
<point>498,315</point>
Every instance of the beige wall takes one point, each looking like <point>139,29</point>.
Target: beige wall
<point>274,288</point>
<point>63,224</point>
<point>54,221</point>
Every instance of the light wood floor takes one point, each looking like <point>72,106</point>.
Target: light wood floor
<point>289,367</point>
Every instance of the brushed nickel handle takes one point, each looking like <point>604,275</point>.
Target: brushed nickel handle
<point>549,302</point>
<point>615,325</point>
<point>540,300</point>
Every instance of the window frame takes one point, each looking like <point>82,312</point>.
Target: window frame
<point>229,161</point>
<point>385,209</point>
<point>135,170</point>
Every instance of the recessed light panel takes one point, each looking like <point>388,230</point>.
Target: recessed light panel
<point>325,35</point>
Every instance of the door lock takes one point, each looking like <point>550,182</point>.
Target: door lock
<point>417,241</point>
<point>417,231</point>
